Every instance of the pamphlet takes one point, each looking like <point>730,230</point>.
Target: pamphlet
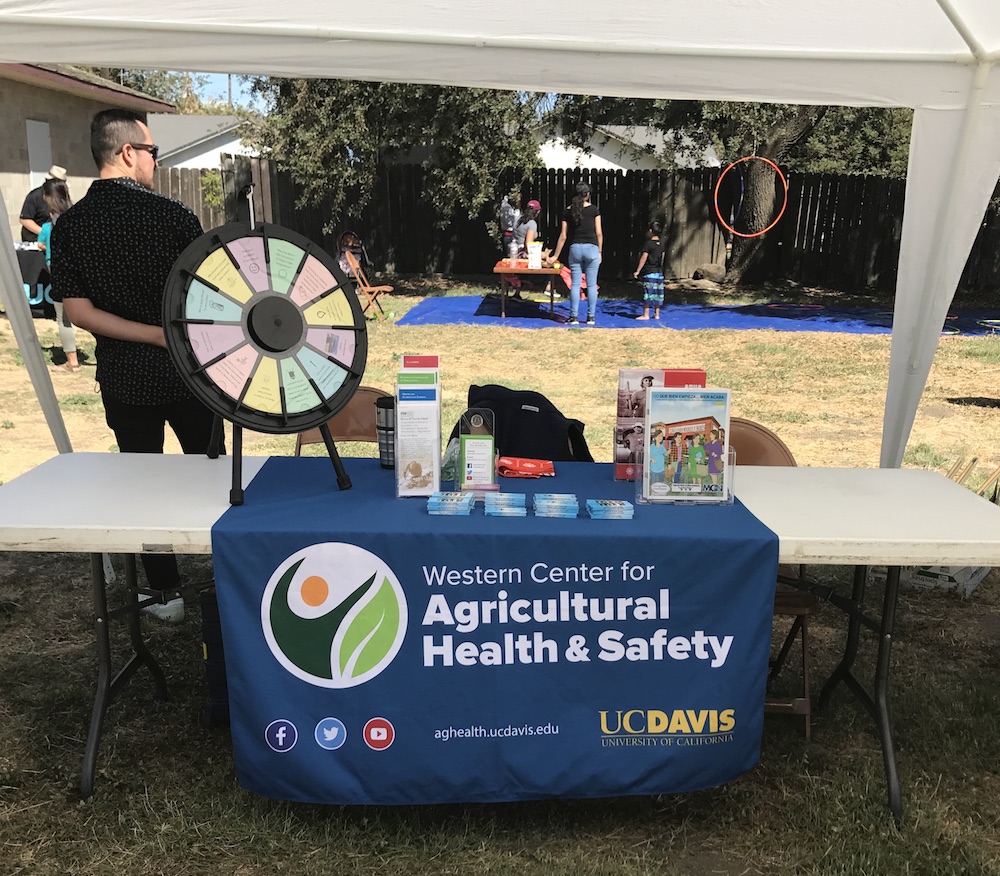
<point>629,425</point>
<point>418,427</point>
<point>685,457</point>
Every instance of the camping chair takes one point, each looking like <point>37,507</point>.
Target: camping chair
<point>365,288</point>
<point>354,422</point>
<point>757,445</point>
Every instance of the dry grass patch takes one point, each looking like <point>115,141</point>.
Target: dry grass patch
<point>167,801</point>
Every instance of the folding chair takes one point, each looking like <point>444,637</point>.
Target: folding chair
<point>365,288</point>
<point>757,445</point>
<point>354,422</point>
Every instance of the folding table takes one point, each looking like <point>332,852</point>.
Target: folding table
<point>822,516</point>
<point>520,268</point>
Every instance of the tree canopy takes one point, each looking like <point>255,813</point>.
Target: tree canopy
<point>337,136</point>
<point>799,138</point>
<point>183,90</point>
<point>811,139</point>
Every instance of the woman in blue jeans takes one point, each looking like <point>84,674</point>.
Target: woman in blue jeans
<point>581,225</point>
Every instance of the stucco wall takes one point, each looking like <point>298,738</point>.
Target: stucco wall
<point>68,118</point>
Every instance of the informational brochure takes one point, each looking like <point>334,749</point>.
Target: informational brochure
<point>418,428</point>
<point>685,456</point>
<point>631,410</point>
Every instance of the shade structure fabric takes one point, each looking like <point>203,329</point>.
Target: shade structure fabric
<point>937,56</point>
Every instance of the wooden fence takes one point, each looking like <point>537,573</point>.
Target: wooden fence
<point>838,232</point>
<point>185,185</point>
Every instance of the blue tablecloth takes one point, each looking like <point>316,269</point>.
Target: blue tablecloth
<point>378,654</point>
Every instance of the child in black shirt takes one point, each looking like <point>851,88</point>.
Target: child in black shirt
<point>650,269</point>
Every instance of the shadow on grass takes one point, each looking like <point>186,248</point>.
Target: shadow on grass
<point>975,401</point>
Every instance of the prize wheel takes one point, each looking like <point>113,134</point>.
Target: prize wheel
<point>264,328</point>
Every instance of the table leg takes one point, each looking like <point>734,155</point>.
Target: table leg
<point>844,669</point>
<point>108,686</point>
<point>102,697</point>
<point>503,296</point>
<point>882,691</point>
<point>877,706</point>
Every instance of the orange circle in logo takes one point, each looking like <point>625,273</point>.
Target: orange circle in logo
<point>315,590</point>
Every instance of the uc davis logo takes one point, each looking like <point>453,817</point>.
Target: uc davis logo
<point>333,615</point>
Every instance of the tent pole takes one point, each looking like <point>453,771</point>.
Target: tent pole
<point>931,309</point>
<point>19,314</point>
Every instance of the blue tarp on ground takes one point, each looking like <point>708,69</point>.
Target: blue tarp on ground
<point>611,313</point>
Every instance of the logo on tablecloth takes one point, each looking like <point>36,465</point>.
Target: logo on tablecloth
<point>281,735</point>
<point>330,734</point>
<point>680,727</point>
<point>379,734</point>
<point>334,615</point>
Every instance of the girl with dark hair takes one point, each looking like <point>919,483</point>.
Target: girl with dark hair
<point>581,225</point>
<point>650,270</point>
<point>56,195</point>
<point>526,229</point>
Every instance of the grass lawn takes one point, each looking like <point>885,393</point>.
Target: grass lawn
<point>167,799</point>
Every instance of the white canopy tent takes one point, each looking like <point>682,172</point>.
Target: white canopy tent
<point>937,56</point>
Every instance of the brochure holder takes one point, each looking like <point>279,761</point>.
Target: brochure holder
<point>654,496</point>
<point>418,428</point>
<point>683,456</point>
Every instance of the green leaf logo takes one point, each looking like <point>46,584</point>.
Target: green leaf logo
<point>371,634</point>
<point>334,615</point>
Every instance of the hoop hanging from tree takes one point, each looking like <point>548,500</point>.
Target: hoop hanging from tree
<point>784,203</point>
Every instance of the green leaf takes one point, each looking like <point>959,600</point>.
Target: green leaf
<point>372,633</point>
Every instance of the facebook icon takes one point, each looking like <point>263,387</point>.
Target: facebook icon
<point>281,735</point>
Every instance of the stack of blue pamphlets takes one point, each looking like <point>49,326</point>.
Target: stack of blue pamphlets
<point>506,505</point>
<point>450,503</point>
<point>556,505</point>
<point>610,509</point>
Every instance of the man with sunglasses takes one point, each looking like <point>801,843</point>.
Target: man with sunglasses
<point>111,254</point>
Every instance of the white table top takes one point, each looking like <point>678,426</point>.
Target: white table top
<point>871,516</point>
<point>123,503</point>
<point>168,503</point>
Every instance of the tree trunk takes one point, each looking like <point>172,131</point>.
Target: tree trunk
<point>754,211</point>
<point>762,197</point>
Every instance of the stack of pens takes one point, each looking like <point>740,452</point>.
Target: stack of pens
<point>451,503</point>
<point>505,505</point>
<point>610,509</point>
<point>556,505</point>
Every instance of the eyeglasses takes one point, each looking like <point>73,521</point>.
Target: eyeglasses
<point>151,148</point>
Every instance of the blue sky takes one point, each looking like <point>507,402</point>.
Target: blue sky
<point>217,88</point>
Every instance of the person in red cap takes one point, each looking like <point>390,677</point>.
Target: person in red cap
<point>526,231</point>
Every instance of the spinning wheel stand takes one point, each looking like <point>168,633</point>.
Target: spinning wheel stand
<point>267,331</point>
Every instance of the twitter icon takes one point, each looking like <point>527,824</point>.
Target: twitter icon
<point>330,734</point>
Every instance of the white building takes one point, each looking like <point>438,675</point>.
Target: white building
<point>196,140</point>
<point>623,147</point>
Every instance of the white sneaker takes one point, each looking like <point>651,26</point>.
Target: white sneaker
<point>171,612</point>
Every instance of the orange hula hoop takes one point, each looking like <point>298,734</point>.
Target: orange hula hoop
<point>784,203</point>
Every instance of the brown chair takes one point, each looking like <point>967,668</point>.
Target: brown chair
<point>757,445</point>
<point>354,422</point>
<point>366,289</point>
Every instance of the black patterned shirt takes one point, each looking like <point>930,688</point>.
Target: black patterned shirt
<point>116,247</point>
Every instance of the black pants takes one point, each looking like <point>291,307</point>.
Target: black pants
<point>141,429</point>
